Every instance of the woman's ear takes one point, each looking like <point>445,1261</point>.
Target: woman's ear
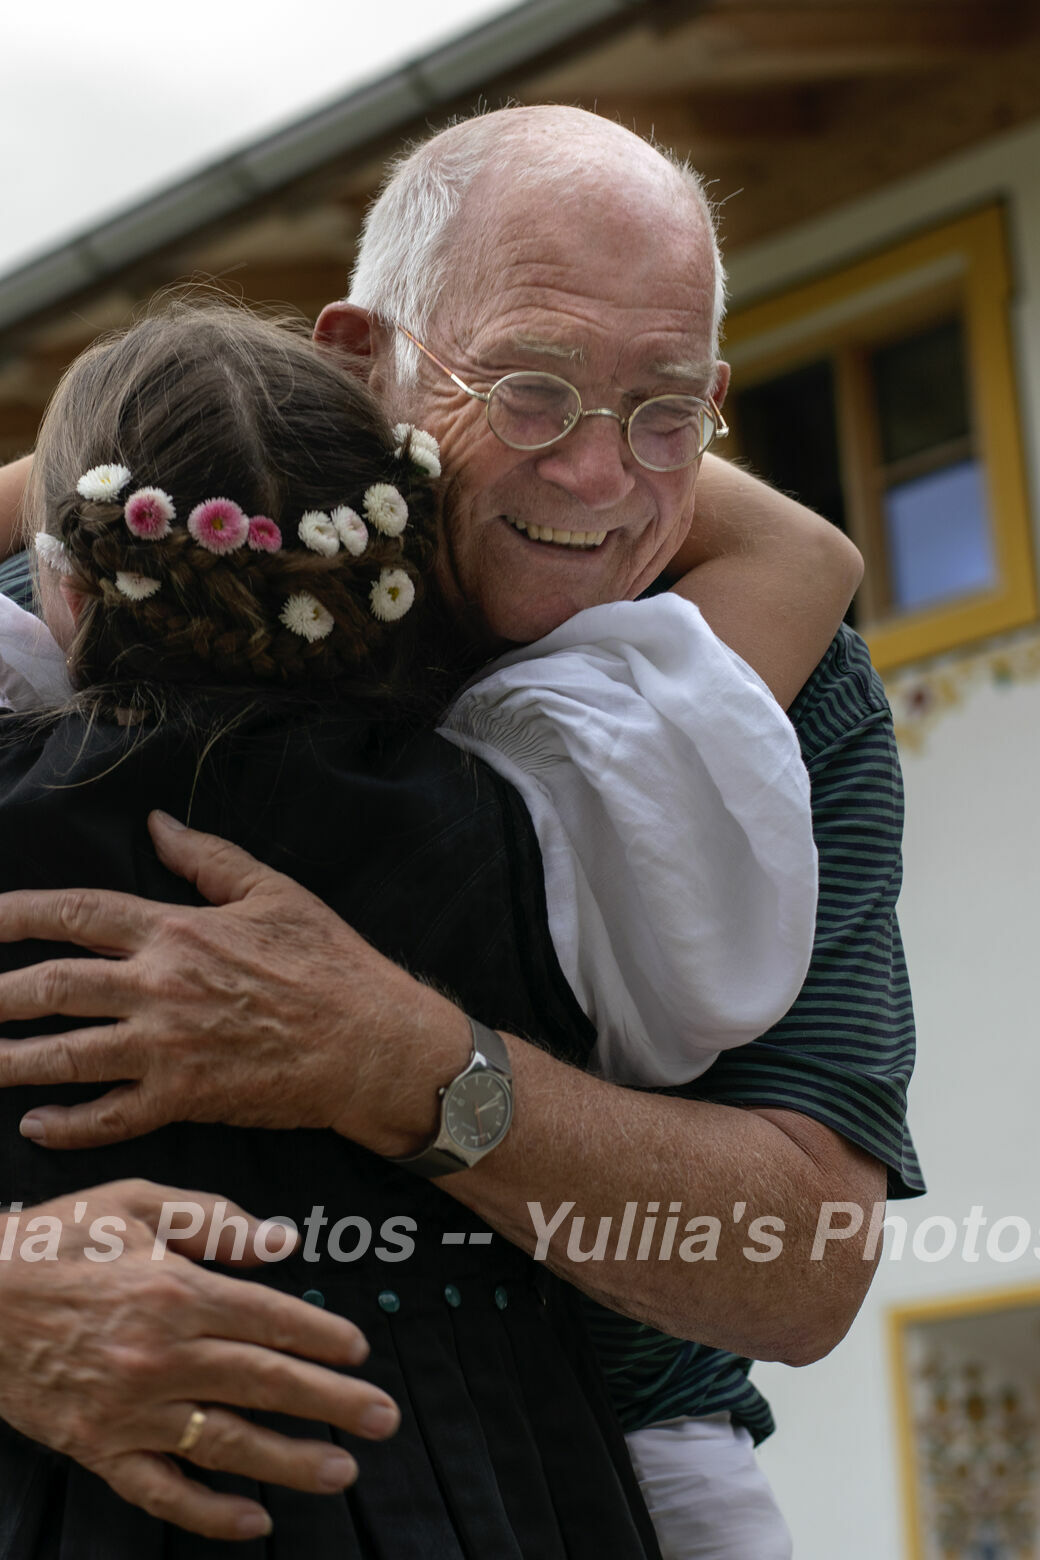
<point>72,599</point>
<point>62,604</point>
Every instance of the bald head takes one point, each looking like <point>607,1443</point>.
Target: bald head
<point>450,196</point>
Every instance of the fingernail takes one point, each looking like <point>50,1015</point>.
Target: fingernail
<point>32,1127</point>
<point>337,1471</point>
<point>357,1352</point>
<point>379,1420</point>
<point>165,819</point>
<point>255,1524</point>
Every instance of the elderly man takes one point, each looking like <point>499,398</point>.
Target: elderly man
<point>547,240</point>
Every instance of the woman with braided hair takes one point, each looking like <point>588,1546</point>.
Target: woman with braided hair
<point>237,559</point>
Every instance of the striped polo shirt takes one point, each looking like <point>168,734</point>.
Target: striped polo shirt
<point>843,1053</point>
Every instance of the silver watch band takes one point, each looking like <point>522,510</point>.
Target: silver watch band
<point>442,1156</point>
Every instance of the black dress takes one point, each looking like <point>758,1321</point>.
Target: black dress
<point>507,1447</point>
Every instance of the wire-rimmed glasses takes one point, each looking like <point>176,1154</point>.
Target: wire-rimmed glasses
<point>531,410</point>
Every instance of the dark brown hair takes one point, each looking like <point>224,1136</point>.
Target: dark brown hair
<point>204,399</point>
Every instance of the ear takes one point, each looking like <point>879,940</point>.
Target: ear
<point>351,330</point>
<point>360,338</point>
<point>718,394</point>
<point>72,598</point>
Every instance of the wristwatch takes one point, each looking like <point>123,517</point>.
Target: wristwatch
<point>476,1109</point>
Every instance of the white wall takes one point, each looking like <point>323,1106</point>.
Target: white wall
<point>971,919</point>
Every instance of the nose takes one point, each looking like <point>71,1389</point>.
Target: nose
<point>593,464</point>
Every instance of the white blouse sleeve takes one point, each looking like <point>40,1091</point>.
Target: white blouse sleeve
<point>671,805</point>
<point>33,674</point>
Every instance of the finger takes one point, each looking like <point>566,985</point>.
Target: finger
<point>93,1055</point>
<point>251,1313</point>
<point>79,988</point>
<point>233,1445</point>
<point>160,1487</point>
<point>241,1238</point>
<point>120,1114</point>
<point>98,919</point>
<point>223,873</point>
<point>248,1377</point>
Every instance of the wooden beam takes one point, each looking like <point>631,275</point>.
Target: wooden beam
<point>722,124</point>
<point>867,34</point>
<point>757,44</point>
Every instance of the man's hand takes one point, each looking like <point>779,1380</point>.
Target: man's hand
<point>232,1013</point>
<point>106,1359</point>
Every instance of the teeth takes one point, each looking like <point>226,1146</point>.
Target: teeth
<point>544,533</point>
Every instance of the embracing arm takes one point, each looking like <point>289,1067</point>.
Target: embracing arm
<point>316,1029</point>
<point>380,1044</point>
<point>13,478</point>
<point>772,578</point>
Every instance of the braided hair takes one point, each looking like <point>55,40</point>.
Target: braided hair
<point>201,400</point>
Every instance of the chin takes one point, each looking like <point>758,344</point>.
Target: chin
<point>523,623</point>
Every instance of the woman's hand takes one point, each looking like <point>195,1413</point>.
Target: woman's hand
<point>105,1358</point>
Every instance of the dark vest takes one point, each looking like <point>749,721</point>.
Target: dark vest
<point>432,858</point>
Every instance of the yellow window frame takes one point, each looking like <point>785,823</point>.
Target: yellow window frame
<point>981,1302</point>
<point>961,267</point>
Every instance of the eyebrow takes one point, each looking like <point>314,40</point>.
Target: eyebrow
<point>689,371</point>
<point>685,371</point>
<point>544,348</point>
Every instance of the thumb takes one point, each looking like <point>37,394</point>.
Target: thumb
<point>222,872</point>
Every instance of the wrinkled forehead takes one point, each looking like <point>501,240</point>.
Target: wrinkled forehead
<point>620,250</point>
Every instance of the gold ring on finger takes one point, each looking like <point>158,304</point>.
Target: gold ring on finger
<point>192,1431</point>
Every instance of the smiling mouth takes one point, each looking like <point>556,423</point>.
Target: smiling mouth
<point>583,540</point>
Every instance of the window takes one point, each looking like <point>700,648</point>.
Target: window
<point>883,396</point>
<point>967,1389</point>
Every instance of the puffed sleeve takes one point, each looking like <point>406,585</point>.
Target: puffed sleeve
<point>33,674</point>
<point>671,804</point>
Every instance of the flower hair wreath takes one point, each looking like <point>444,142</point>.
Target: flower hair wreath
<point>221,527</point>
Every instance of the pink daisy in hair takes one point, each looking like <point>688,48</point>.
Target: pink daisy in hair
<point>148,513</point>
<point>218,525</point>
<point>264,535</point>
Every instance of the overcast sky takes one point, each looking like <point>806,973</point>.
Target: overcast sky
<point>102,101</point>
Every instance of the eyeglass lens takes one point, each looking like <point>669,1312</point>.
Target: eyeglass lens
<point>530,411</point>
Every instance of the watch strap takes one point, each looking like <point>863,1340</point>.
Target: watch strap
<point>489,1044</point>
<point>443,1156</point>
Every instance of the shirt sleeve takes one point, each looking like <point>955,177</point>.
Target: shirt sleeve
<point>844,1052</point>
<point>33,674</point>
<point>671,806</point>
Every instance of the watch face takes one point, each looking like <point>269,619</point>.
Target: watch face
<point>477,1110</point>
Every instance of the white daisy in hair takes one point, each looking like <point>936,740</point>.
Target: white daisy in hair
<point>317,532</point>
<point>136,587</point>
<point>305,616</point>
<point>392,595</point>
<point>423,451</point>
<point>52,550</point>
<point>103,484</point>
<point>351,530</point>
<point>385,509</point>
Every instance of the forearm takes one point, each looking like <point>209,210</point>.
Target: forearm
<point>578,1140</point>
<point>772,578</point>
<point>13,478</point>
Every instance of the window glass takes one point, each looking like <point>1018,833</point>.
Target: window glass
<point>939,540</point>
<point>788,431</point>
<point>921,390</point>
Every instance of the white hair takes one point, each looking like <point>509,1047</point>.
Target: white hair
<point>406,252</point>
